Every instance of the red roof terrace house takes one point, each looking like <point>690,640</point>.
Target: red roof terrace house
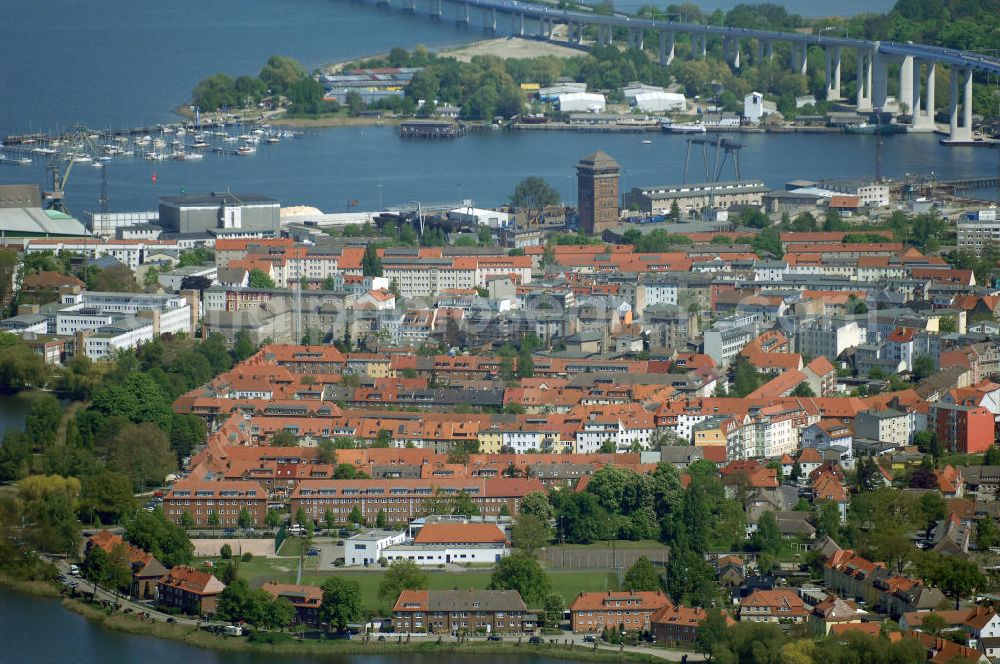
<point>193,591</point>
<point>625,610</point>
<point>226,498</point>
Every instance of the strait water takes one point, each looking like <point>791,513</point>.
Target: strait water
<point>109,63</point>
<point>39,631</point>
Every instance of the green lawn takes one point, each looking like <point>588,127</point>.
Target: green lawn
<point>260,570</point>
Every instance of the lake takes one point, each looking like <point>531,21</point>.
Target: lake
<point>40,631</point>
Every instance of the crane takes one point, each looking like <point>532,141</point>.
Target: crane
<point>77,144</point>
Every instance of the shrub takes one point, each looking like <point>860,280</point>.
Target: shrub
<point>226,552</point>
<point>247,556</point>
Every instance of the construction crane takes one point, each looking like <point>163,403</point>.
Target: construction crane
<point>78,144</point>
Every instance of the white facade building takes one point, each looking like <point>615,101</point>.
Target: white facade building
<point>123,334</point>
<point>366,548</point>
<point>575,102</point>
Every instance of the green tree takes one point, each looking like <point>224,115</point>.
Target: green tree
<point>152,532</point>
<point>42,422</point>
<point>536,503</point>
<point>521,572</point>
<point>226,552</point>
<point>341,603</point>
<point>767,537</point>
<point>213,519</point>
<point>532,195</point>
<point>987,534</point>
<point>711,631</point>
<point>768,241</point>
<point>260,279</point>
<point>143,453</point>
<point>923,366</point>
<point>245,519</point>
<point>746,378</point>
<point>371,264</point>
<point>553,607</point>
<point>803,390</point>
<point>106,497</point>
<point>401,575</point>
<point>281,73</point>
<point>641,576</point>
<point>992,456</point>
<point>689,578</point>
<point>355,516</point>
<point>530,533</point>
<point>115,279</point>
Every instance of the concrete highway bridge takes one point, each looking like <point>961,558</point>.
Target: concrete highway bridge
<point>916,63</point>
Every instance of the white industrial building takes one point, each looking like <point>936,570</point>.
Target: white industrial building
<point>660,102</point>
<point>479,217</point>
<point>367,548</point>
<point>552,93</point>
<point>755,108</point>
<point>575,102</point>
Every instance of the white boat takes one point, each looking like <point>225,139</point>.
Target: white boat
<point>159,143</point>
<point>200,145</point>
<point>105,159</point>
<point>230,139</point>
<point>193,156</point>
<point>97,164</point>
<point>246,150</point>
<point>81,159</point>
<point>24,161</point>
<point>273,139</point>
<point>688,128</point>
<point>154,156</point>
<point>647,142</point>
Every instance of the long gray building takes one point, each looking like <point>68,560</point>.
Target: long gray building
<point>198,213</point>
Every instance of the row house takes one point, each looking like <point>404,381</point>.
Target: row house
<point>850,575</point>
<point>403,500</point>
<point>225,499</point>
<point>461,612</point>
<point>630,611</point>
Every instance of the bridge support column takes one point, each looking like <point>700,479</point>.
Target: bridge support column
<point>864,99</point>
<point>436,9</point>
<point>801,60</point>
<point>605,36</point>
<point>906,86</point>
<point>770,50</point>
<point>923,96</point>
<point>760,52</point>
<point>960,130</point>
<point>490,20</point>
<point>637,39</point>
<point>464,16</point>
<point>833,74</point>
<point>880,81</point>
<point>731,48</point>
<point>519,27</point>
<point>699,46</point>
<point>666,52</point>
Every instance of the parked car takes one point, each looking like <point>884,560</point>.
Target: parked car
<point>590,638</point>
<point>535,640</point>
<point>493,637</point>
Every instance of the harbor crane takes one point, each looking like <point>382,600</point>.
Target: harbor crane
<point>77,146</point>
<point>725,146</point>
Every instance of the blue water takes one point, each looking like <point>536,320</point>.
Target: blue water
<point>109,63</point>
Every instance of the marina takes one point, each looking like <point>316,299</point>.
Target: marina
<point>176,142</point>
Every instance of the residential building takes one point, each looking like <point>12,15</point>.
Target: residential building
<point>461,611</point>
<point>306,600</point>
<point>461,543</point>
<point>627,610</point>
<point>193,591</point>
<point>226,499</point>
<point>781,605</point>
<point>887,426</point>
<point>677,626</point>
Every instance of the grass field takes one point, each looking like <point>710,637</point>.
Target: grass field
<point>283,569</point>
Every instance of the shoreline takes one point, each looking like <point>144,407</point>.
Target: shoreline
<point>199,638</point>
